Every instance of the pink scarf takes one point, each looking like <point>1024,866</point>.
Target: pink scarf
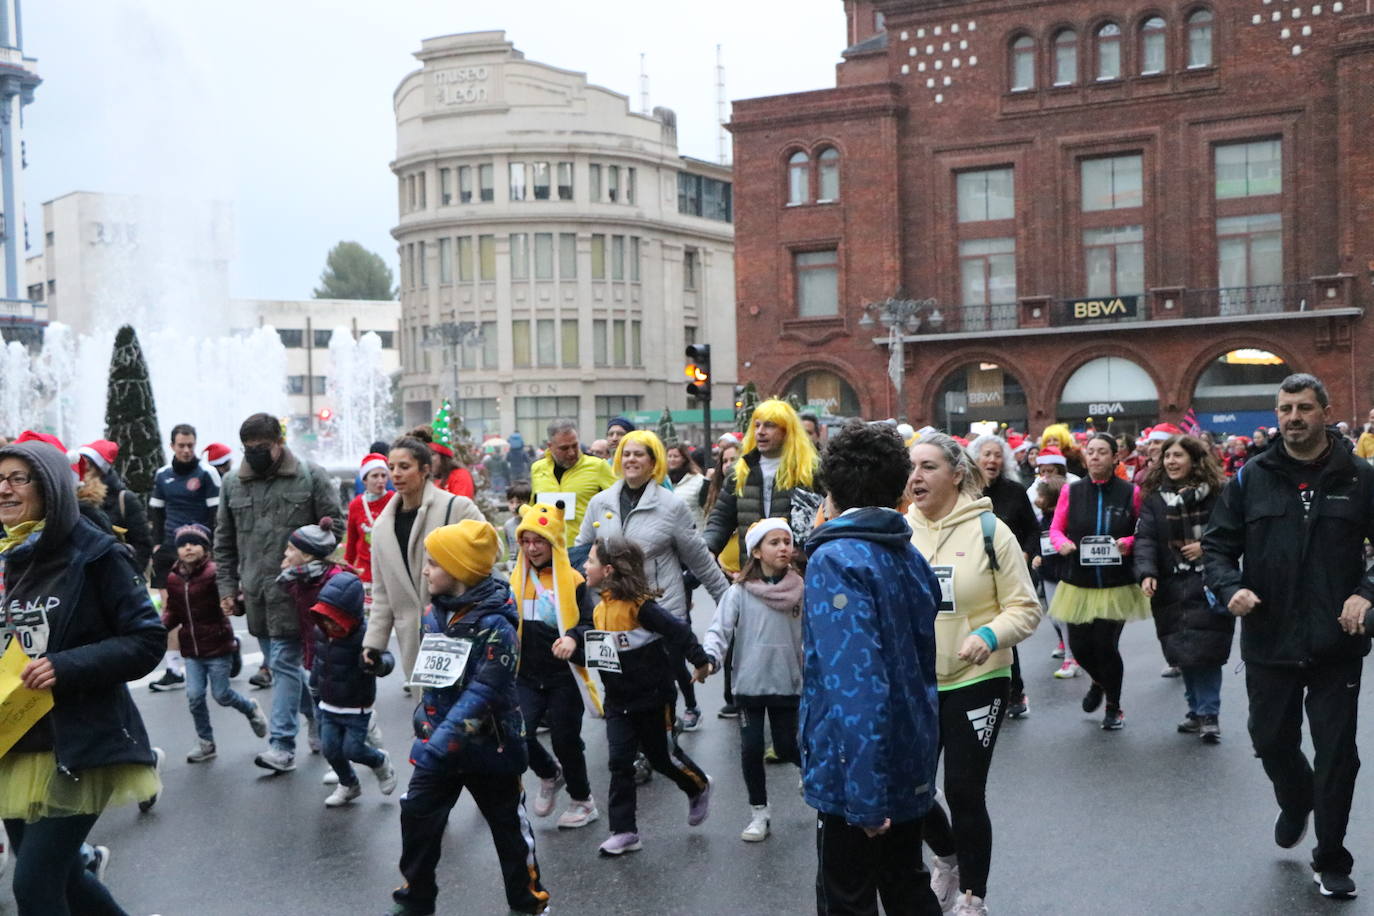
<point>780,596</point>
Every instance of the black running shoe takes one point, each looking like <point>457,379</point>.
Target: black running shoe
<point>1093,698</point>
<point>170,680</point>
<point>1289,829</point>
<point>1113,719</point>
<point>728,711</point>
<point>1334,884</point>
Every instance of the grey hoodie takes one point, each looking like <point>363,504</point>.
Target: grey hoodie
<point>765,623</point>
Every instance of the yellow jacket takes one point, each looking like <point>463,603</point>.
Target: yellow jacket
<point>1003,601</point>
<point>585,479</point>
<point>1365,447</point>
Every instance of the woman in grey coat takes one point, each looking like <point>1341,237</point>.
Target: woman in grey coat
<point>639,508</point>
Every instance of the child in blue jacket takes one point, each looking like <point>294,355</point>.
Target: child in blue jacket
<point>469,731</point>
<point>869,710</point>
<point>345,681</point>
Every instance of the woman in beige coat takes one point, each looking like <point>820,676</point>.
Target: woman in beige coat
<point>399,592</point>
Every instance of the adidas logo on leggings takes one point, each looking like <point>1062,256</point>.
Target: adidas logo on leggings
<point>984,720</point>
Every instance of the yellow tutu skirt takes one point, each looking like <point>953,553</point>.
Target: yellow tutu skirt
<point>31,788</point>
<point>1073,604</point>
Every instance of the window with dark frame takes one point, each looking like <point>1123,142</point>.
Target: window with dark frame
<point>817,282</point>
<point>1109,52</point>
<point>1200,39</point>
<point>1065,57</point>
<point>1153,46</point>
<point>1023,64</point>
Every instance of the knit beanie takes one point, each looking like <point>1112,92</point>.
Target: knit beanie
<point>544,520</point>
<point>623,422</point>
<point>315,540</point>
<point>193,534</point>
<point>466,551</point>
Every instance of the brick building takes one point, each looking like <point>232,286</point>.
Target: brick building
<point>1111,209</point>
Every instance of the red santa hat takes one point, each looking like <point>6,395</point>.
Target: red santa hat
<point>1164,432</point>
<point>102,453</point>
<point>1051,455</point>
<point>73,458</point>
<point>438,449</point>
<point>217,453</point>
<point>373,462</point>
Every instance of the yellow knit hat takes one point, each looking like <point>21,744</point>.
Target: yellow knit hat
<point>544,520</point>
<point>466,551</point>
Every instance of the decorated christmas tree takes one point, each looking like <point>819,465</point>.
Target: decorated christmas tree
<point>443,425</point>
<point>450,430</point>
<point>131,415</point>
<point>749,399</point>
<point>667,432</point>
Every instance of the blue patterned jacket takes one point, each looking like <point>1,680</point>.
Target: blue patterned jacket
<point>869,711</point>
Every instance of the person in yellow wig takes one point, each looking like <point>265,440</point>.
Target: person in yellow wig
<point>553,599</point>
<point>776,475</point>
<point>1059,435</point>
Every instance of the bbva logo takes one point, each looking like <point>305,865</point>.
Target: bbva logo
<point>1099,308</point>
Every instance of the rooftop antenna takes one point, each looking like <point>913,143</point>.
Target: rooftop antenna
<point>722,149</point>
<point>643,85</point>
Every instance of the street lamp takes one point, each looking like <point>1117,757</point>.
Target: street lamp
<point>900,317</point>
<point>454,334</point>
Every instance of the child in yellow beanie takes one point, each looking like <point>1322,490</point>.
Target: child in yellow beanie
<point>469,731</point>
<point>553,601</point>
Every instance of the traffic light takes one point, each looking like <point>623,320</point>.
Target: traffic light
<point>699,371</point>
<point>325,415</point>
<point>739,395</point>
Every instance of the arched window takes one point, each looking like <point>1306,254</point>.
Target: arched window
<point>1152,46</point>
<point>1066,57</point>
<point>1109,52</point>
<point>799,178</point>
<point>1023,64</point>
<point>828,163</point>
<point>1200,39</point>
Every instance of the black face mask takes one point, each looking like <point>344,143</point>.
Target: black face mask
<point>259,458</point>
<point>184,467</point>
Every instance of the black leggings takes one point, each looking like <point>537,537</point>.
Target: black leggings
<point>970,718</point>
<point>49,877</point>
<point>1097,649</point>
<point>782,722</point>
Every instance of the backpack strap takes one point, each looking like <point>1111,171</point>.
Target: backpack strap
<point>989,522</point>
<point>448,513</point>
<point>123,512</point>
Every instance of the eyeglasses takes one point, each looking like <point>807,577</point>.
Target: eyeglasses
<point>18,479</point>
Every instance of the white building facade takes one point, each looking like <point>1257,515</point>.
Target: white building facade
<point>557,254</point>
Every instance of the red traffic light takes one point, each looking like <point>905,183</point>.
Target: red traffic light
<point>325,415</point>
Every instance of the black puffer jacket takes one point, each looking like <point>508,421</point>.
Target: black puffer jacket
<point>734,512</point>
<point>1011,504</point>
<point>1302,568</point>
<point>337,676</point>
<point>1190,632</point>
<point>77,588</point>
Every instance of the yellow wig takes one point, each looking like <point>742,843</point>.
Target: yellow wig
<point>1059,435</point>
<point>798,468</point>
<point>654,444</point>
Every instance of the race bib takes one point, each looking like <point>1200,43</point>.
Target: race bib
<point>30,627</point>
<point>601,651</point>
<point>569,503</point>
<point>945,575</point>
<point>1100,550</point>
<point>1046,545</point>
<point>441,661</point>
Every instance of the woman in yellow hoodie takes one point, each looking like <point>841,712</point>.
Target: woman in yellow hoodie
<point>987,605</point>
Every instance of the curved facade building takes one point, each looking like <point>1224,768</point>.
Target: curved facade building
<point>557,254</point>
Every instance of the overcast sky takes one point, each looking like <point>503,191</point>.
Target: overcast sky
<point>284,107</point>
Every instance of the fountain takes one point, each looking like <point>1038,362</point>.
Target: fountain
<point>361,392</point>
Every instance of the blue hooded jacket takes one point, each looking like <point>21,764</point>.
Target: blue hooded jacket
<point>474,726</point>
<point>869,710</point>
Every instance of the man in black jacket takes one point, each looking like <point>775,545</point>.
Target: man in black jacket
<point>1299,514</point>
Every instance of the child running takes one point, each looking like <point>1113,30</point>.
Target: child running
<point>207,639</point>
<point>762,615</point>
<point>469,732</point>
<point>641,639</point>
<point>553,600</point>
<point>344,678</point>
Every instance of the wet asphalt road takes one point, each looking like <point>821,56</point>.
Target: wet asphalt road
<point>1142,821</point>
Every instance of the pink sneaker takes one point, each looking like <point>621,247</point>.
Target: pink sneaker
<point>1068,669</point>
<point>621,843</point>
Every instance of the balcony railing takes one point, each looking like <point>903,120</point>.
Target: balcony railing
<point>957,319</point>
<point>1246,300</point>
<point>23,312</point>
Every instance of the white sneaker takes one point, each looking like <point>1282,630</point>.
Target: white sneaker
<point>1068,669</point>
<point>969,905</point>
<point>757,831</point>
<point>944,880</point>
<point>578,814</point>
<point>203,751</point>
<point>386,775</point>
<point>330,777</point>
<point>342,795</point>
<point>548,794</point>
<point>276,760</point>
<point>257,721</point>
